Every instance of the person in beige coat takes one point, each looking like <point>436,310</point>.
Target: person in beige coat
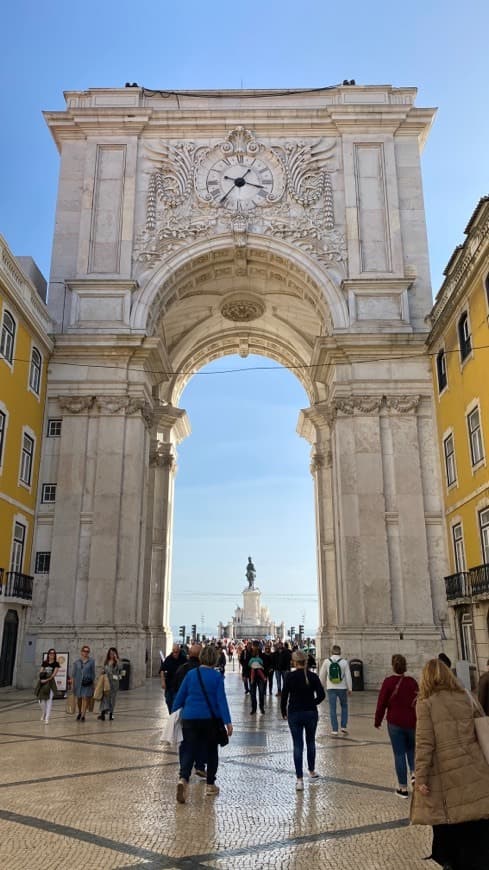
<point>452,776</point>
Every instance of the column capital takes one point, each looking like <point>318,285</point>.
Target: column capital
<point>162,455</point>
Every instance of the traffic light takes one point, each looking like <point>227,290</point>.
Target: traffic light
<point>182,631</point>
<point>292,632</point>
<point>194,631</point>
<point>301,631</point>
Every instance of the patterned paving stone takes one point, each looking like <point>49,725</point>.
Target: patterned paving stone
<point>103,794</point>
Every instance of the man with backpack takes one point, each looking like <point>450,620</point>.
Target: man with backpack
<point>336,679</point>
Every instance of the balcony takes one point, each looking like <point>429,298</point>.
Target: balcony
<point>13,584</point>
<point>457,586</point>
<point>466,585</point>
<point>479,580</point>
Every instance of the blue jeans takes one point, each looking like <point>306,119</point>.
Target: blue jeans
<point>403,743</point>
<point>333,696</point>
<point>278,677</point>
<point>300,721</point>
<point>199,741</point>
<point>259,686</point>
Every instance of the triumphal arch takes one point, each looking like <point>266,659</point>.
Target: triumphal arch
<point>191,225</point>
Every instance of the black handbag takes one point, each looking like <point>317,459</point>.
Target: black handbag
<point>219,726</point>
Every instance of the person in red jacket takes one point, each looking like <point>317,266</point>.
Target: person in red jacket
<point>397,696</point>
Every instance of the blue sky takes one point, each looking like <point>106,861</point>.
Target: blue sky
<point>440,47</point>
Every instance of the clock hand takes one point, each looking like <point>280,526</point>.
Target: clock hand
<point>226,194</point>
<point>255,185</point>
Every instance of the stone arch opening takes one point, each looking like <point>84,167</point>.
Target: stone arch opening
<point>259,460</point>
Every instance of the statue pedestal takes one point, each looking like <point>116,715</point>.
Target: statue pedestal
<point>251,606</point>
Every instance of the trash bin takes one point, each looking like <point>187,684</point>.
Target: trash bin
<point>126,674</point>
<point>356,669</point>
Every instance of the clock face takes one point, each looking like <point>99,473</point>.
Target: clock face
<point>241,182</point>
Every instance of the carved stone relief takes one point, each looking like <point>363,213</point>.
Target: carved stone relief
<point>184,200</point>
<point>372,405</point>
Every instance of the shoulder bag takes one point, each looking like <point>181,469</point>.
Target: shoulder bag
<point>220,728</point>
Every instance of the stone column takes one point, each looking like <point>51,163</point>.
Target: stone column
<point>314,425</point>
<point>171,427</point>
<point>360,505</point>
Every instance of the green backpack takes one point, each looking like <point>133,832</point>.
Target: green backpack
<point>334,672</point>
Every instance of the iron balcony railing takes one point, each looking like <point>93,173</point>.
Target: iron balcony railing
<point>13,584</point>
<point>479,580</point>
<point>457,585</point>
<point>467,584</point>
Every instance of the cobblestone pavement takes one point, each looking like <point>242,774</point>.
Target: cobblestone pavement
<point>102,794</point>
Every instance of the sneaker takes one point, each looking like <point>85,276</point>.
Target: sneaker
<point>42,718</point>
<point>78,718</point>
<point>299,786</point>
<point>182,789</point>
<point>344,730</point>
<point>200,772</point>
<point>413,780</point>
<point>212,790</point>
<point>46,721</point>
<point>313,774</point>
<point>252,712</point>
<point>262,709</point>
<point>334,734</point>
<point>402,793</point>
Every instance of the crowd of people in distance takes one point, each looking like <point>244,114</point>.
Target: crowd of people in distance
<point>432,724</point>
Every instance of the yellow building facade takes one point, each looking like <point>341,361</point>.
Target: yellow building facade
<point>459,344</point>
<point>25,348</point>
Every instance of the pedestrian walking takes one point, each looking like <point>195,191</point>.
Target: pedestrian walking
<point>168,670</point>
<point>301,693</point>
<point>258,680</point>
<point>452,776</point>
<point>267,657</point>
<point>46,685</point>
<point>192,662</point>
<point>335,676</point>
<point>201,698</point>
<point>397,698</point>
<point>284,661</point>
<point>83,678</point>
<point>244,659</point>
<point>483,690</point>
<point>113,671</point>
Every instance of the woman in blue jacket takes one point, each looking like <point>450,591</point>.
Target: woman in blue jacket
<point>198,726</point>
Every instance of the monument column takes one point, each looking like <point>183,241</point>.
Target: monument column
<point>171,427</point>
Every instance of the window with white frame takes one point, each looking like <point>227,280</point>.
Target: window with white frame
<point>3,431</point>
<point>449,452</point>
<point>458,547</point>
<point>7,339</point>
<point>475,436</point>
<point>441,370</point>
<point>484,530</point>
<point>18,545</point>
<point>26,459</point>
<point>48,493</point>
<point>54,427</point>
<point>464,340</point>
<point>43,562</point>
<point>35,371</point>
<point>466,642</point>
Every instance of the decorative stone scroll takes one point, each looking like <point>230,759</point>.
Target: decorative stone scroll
<point>372,405</point>
<point>402,404</point>
<point>162,456</point>
<point>76,404</point>
<point>242,309</point>
<point>179,208</point>
<point>107,406</point>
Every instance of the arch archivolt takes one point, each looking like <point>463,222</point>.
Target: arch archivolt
<point>255,261</point>
<point>240,342</point>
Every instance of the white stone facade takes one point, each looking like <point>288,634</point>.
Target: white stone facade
<point>191,226</point>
